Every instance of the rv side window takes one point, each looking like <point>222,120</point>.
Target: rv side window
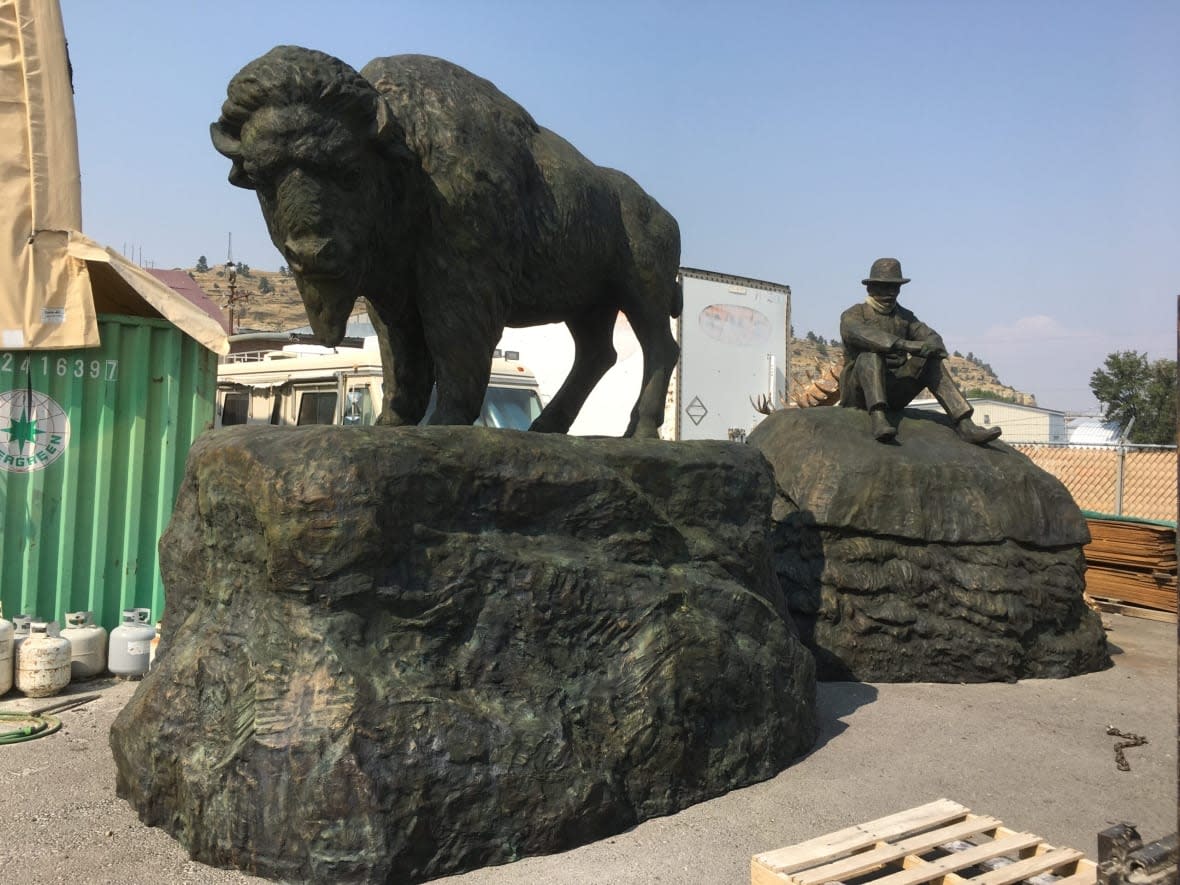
<point>316,408</point>
<point>235,409</point>
<point>358,408</point>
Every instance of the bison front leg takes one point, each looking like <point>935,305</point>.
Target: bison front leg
<point>462,366</point>
<point>407,367</point>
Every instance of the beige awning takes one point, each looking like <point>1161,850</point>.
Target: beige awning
<point>47,296</point>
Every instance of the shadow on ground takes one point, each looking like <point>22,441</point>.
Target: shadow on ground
<point>836,700</point>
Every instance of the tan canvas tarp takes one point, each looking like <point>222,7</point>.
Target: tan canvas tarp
<point>154,297</point>
<point>47,299</point>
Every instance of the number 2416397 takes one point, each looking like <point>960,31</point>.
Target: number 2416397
<point>62,366</point>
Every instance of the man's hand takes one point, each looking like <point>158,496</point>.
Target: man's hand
<point>927,349</point>
<point>932,349</point>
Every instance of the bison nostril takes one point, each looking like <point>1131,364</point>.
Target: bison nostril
<point>310,255</point>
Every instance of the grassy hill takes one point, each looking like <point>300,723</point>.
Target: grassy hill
<point>270,305</point>
<point>275,305</point>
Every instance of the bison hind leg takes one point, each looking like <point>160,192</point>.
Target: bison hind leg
<point>660,353</point>
<point>594,354</point>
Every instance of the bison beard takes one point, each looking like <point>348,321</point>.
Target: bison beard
<point>426,190</point>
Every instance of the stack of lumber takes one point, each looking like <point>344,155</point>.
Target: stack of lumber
<point>1132,563</point>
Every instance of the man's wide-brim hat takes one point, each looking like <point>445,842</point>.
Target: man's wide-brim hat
<point>886,270</point>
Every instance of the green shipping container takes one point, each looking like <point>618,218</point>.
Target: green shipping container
<point>92,450</point>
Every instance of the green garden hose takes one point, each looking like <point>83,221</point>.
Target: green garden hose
<point>38,723</point>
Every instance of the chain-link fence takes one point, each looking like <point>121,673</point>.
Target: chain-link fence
<point>1127,480</point>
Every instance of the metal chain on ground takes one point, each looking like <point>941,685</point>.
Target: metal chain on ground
<point>1129,740</point>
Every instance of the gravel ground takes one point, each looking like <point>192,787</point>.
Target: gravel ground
<point>1034,754</point>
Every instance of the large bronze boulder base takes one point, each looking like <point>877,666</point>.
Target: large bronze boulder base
<point>392,654</point>
<point>927,560</point>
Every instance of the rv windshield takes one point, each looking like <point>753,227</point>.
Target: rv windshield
<point>512,407</point>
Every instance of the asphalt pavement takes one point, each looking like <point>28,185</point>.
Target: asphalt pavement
<point>1035,754</point>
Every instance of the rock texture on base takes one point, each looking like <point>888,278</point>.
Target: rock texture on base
<point>395,654</point>
<point>928,560</point>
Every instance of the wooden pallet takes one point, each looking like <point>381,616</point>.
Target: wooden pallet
<point>940,842</point>
<point>1119,607</point>
<point>1127,585</point>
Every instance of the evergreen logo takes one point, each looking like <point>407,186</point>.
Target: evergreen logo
<point>34,431</point>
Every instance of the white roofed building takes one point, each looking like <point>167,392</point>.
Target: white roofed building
<point>1091,430</point>
<point>1021,424</point>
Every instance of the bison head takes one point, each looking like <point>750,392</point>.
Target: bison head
<point>331,169</point>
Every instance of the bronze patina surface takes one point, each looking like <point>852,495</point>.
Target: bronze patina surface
<point>927,561</point>
<point>426,190</point>
<point>890,356</point>
<point>391,654</point>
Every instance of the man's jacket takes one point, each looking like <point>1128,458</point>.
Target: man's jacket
<point>863,329</point>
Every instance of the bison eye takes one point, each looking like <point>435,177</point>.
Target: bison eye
<point>343,173</point>
<point>263,173</point>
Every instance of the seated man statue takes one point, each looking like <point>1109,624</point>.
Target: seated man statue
<point>890,356</point>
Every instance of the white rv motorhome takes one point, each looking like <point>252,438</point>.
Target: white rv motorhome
<point>291,387</point>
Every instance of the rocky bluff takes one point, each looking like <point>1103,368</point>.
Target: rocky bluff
<point>394,654</point>
<point>926,560</point>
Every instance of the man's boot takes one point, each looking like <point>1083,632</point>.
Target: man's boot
<point>971,432</point>
<point>882,429</point>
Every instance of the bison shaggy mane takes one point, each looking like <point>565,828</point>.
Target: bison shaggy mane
<point>290,75</point>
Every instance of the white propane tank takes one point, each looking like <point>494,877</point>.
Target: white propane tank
<point>6,633</point>
<point>131,643</point>
<point>42,663</point>
<point>20,632</point>
<point>88,645</point>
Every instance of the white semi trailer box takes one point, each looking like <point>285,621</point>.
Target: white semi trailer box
<point>734,348</point>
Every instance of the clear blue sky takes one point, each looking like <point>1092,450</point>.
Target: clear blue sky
<point>1018,157</point>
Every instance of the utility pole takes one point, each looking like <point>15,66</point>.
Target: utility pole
<point>1122,466</point>
<point>231,277</point>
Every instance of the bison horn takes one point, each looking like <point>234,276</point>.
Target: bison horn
<point>226,144</point>
<point>386,127</point>
<point>230,146</point>
<point>388,133</point>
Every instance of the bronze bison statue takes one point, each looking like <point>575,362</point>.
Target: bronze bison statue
<point>427,191</point>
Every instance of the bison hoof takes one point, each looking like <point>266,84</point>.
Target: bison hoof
<point>643,432</point>
<point>545,424</point>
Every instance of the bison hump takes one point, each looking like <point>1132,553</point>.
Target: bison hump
<point>450,115</point>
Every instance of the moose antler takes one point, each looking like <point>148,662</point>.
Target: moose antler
<point>762,405</point>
